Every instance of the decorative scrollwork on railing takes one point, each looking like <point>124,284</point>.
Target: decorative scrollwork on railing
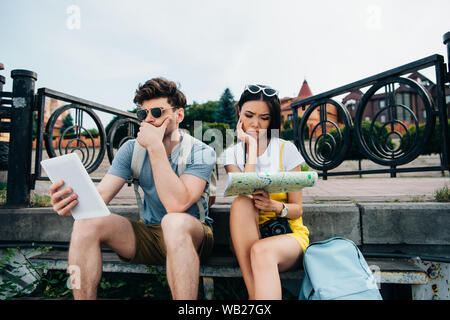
<point>327,143</point>
<point>120,132</point>
<point>393,137</point>
<point>76,138</point>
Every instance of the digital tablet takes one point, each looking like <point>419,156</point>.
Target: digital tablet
<point>69,169</point>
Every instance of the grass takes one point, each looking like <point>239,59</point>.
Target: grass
<point>36,200</point>
<point>40,200</point>
<point>419,198</point>
<point>442,194</point>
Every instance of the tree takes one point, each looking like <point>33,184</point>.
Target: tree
<point>199,112</point>
<point>66,123</point>
<point>226,112</point>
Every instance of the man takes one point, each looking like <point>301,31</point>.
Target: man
<point>171,232</point>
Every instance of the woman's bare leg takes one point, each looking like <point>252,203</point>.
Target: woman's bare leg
<point>244,233</point>
<point>270,256</point>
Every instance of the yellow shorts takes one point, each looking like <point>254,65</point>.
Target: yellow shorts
<point>299,231</point>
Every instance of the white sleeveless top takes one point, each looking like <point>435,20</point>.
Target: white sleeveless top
<point>269,161</point>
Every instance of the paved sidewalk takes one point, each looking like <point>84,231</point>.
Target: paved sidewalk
<point>366,189</point>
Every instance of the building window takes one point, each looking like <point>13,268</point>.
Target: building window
<point>289,117</point>
<point>424,114</point>
<point>382,104</point>
<point>407,99</point>
<point>403,99</point>
<point>374,106</point>
<point>383,118</point>
<point>367,119</point>
<point>447,99</point>
<point>350,104</point>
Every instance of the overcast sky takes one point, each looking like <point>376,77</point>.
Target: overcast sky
<point>100,50</point>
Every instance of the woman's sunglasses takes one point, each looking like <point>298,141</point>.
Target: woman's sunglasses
<point>268,91</point>
<point>156,112</point>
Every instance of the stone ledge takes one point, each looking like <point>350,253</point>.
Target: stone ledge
<point>365,224</point>
<point>43,224</point>
<point>405,223</point>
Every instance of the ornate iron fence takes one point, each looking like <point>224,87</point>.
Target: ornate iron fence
<point>387,141</point>
<point>24,107</point>
<point>82,140</point>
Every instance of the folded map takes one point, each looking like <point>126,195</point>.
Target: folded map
<point>245,183</point>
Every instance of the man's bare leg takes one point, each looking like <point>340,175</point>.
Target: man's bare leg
<point>183,235</point>
<point>85,259</point>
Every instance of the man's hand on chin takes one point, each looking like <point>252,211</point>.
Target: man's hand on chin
<point>150,136</point>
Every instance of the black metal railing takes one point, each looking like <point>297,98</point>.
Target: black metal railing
<point>25,108</point>
<point>79,140</point>
<point>390,141</point>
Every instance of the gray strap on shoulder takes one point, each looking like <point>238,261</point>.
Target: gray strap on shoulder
<point>137,160</point>
<point>213,183</point>
<point>185,150</point>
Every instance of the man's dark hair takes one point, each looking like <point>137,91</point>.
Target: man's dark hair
<point>160,88</point>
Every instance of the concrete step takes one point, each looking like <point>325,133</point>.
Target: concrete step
<point>417,228</point>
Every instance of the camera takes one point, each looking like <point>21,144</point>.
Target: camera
<point>275,227</point>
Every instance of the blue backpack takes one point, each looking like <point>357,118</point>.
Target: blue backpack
<point>335,269</point>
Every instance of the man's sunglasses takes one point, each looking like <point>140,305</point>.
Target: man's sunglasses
<point>142,113</point>
<point>255,88</point>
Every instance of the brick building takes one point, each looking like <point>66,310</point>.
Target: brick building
<point>403,95</point>
<point>305,92</point>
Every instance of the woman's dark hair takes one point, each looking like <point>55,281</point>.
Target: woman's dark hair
<point>273,103</point>
<point>160,88</point>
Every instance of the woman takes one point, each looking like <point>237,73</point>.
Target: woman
<point>261,255</point>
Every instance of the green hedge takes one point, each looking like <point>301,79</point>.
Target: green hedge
<point>288,132</point>
<point>434,145</point>
<point>93,132</point>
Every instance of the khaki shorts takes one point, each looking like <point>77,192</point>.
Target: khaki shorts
<point>150,247</point>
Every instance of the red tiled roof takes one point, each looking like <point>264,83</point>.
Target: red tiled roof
<point>304,92</point>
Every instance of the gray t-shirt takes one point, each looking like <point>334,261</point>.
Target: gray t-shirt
<point>200,164</point>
